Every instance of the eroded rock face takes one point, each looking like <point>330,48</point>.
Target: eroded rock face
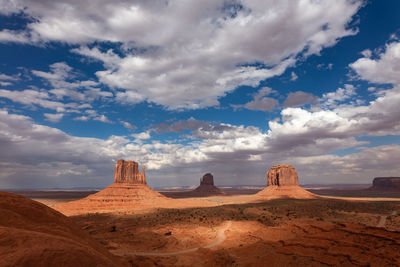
<point>386,183</point>
<point>281,175</point>
<point>128,172</point>
<point>207,179</point>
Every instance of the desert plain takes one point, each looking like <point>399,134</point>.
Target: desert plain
<point>129,224</point>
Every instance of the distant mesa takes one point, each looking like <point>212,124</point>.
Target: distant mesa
<point>207,187</point>
<point>281,175</point>
<point>208,179</point>
<point>283,182</point>
<point>386,184</point>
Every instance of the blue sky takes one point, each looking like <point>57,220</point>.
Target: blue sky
<point>228,87</point>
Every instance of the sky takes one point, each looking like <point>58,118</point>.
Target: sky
<point>190,87</point>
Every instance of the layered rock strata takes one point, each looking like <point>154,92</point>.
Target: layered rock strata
<point>283,182</point>
<point>282,175</point>
<point>128,192</point>
<point>128,172</point>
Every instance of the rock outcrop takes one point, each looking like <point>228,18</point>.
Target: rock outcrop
<point>207,179</point>
<point>129,192</point>
<point>282,175</point>
<point>128,172</point>
<point>32,234</point>
<point>283,182</point>
<point>386,183</point>
<point>207,187</point>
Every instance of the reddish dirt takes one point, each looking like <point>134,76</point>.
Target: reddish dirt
<point>32,234</point>
<point>124,198</point>
<point>288,191</point>
<point>144,228</point>
<point>280,232</point>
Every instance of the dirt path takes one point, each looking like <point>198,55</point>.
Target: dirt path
<point>382,219</point>
<point>219,239</point>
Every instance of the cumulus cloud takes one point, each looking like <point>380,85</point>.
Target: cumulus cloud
<point>188,54</point>
<point>300,136</point>
<point>35,153</point>
<point>142,136</point>
<point>332,99</point>
<point>65,84</point>
<point>385,68</point>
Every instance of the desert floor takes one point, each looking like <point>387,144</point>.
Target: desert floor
<point>280,232</point>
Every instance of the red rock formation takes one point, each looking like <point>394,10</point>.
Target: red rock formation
<point>283,182</point>
<point>128,172</point>
<point>386,183</point>
<point>207,187</point>
<point>32,234</point>
<point>207,179</point>
<point>281,175</point>
<point>128,192</point>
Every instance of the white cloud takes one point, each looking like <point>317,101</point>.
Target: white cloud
<point>340,95</point>
<point>6,77</point>
<point>7,36</point>
<point>65,84</point>
<point>54,117</point>
<point>92,115</point>
<point>323,66</point>
<point>384,69</point>
<point>301,137</point>
<point>33,97</point>
<point>293,76</point>
<point>102,118</point>
<point>128,125</point>
<point>188,54</point>
<point>6,80</point>
<point>81,118</point>
<point>5,83</point>
<point>142,136</point>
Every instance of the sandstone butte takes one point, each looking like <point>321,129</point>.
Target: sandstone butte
<point>386,184</point>
<point>129,192</point>
<point>32,234</point>
<point>206,187</point>
<point>283,182</point>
